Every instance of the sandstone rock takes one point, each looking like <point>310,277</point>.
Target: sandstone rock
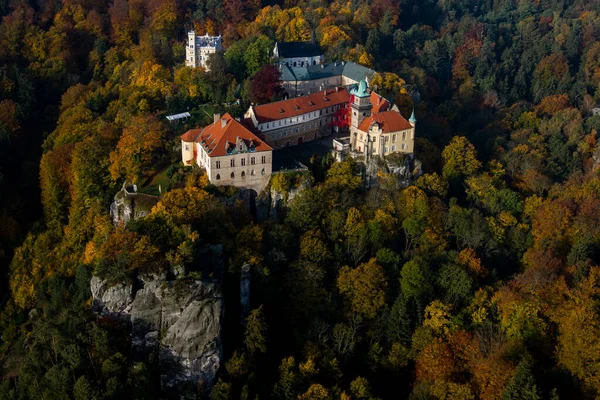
<point>115,300</point>
<point>186,313</point>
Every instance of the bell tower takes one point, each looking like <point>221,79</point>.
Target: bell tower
<point>361,104</point>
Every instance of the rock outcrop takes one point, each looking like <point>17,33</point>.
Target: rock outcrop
<point>178,320</point>
<point>129,204</point>
<point>269,203</point>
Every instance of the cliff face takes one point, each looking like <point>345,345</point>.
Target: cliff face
<point>269,203</point>
<point>179,321</point>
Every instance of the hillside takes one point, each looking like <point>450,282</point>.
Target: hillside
<point>480,280</point>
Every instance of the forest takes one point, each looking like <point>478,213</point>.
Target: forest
<point>480,280</point>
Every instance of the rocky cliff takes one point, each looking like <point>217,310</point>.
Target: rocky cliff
<point>178,321</point>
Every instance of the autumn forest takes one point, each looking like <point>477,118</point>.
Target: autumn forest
<point>478,280</point>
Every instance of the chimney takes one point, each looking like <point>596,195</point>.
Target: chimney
<point>337,88</point>
<point>216,117</point>
<point>223,122</point>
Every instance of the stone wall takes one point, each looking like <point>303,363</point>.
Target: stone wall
<point>128,204</point>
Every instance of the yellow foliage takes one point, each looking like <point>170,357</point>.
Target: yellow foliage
<point>532,204</point>
<point>506,219</point>
<point>496,229</point>
<point>308,368</point>
<point>366,59</point>
<point>332,36</point>
<point>388,81</point>
<point>468,259</point>
<point>437,317</point>
<point>364,287</point>
<point>154,78</point>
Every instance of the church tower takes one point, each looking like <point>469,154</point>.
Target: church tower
<point>361,104</point>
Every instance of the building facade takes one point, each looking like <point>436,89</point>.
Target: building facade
<point>297,54</point>
<point>230,154</point>
<point>302,80</point>
<point>199,49</point>
<point>300,119</point>
<point>376,128</point>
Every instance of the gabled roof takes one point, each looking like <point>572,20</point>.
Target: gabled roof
<point>298,49</point>
<point>388,121</point>
<point>379,103</point>
<point>357,72</point>
<point>347,69</point>
<point>300,105</point>
<point>221,137</point>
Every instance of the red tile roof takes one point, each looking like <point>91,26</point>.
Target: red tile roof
<point>300,105</point>
<point>191,135</point>
<point>379,103</point>
<point>217,139</point>
<point>389,121</point>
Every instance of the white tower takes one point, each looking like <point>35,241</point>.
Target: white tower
<point>190,50</point>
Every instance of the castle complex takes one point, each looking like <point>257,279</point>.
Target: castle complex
<point>199,48</point>
<point>240,153</point>
<point>323,98</point>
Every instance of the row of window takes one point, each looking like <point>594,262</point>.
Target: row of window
<point>387,137</point>
<point>304,117</point>
<point>243,175</point>
<point>263,160</point>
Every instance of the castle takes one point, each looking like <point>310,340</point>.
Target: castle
<point>240,153</point>
<point>229,152</point>
<point>199,48</point>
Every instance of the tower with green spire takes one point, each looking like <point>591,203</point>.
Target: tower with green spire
<point>361,104</point>
<point>413,119</point>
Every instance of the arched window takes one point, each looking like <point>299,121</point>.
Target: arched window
<point>262,172</point>
<point>243,174</point>
<point>252,173</point>
<point>232,175</point>
<point>218,177</point>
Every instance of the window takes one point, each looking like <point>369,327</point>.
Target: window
<point>403,135</point>
<point>385,149</point>
<point>218,177</point>
<point>394,138</point>
<point>243,162</point>
<point>262,172</point>
<point>393,148</point>
<point>374,138</point>
<point>364,114</point>
<point>232,175</point>
<point>243,174</point>
<point>297,130</point>
<point>187,147</point>
<point>252,172</point>
<point>263,159</point>
<point>218,164</point>
<point>252,161</point>
<point>232,162</point>
<point>403,146</point>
